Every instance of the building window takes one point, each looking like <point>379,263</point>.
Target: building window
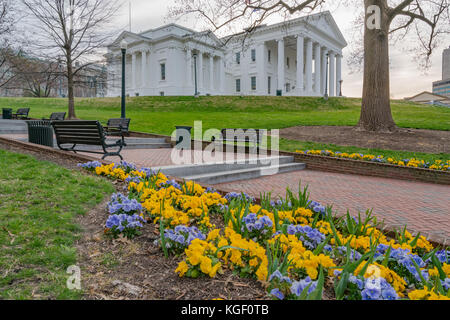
<point>163,71</point>
<point>269,85</point>
<point>253,81</point>
<point>253,55</point>
<point>287,62</point>
<point>288,87</point>
<point>238,58</point>
<point>269,53</point>
<point>238,85</point>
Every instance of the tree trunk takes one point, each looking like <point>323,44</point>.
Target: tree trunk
<point>70,91</point>
<point>376,112</point>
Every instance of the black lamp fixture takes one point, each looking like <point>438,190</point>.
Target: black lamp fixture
<point>195,74</point>
<point>123,47</point>
<point>326,79</point>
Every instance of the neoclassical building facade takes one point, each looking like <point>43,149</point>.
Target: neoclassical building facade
<point>298,57</point>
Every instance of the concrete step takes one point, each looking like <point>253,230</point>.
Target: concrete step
<point>244,174</point>
<point>130,146</point>
<point>16,131</point>
<point>206,168</point>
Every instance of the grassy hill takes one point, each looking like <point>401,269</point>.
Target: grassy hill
<point>161,114</point>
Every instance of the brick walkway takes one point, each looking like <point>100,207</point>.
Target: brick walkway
<point>421,206</point>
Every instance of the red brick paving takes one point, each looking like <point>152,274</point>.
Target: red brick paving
<point>423,207</point>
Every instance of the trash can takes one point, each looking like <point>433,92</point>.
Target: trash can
<point>279,93</point>
<point>40,132</point>
<point>7,113</point>
<point>184,137</point>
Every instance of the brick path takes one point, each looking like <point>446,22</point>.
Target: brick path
<point>423,207</point>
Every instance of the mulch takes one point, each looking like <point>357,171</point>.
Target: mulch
<point>415,140</point>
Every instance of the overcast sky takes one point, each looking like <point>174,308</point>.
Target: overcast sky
<point>406,78</point>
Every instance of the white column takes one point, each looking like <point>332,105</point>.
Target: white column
<point>300,65</point>
<point>189,68</point>
<point>338,73</point>
<point>324,71</point>
<point>281,76</point>
<point>261,79</point>
<point>222,75</point>
<point>211,73</point>
<point>332,74</point>
<point>308,69</point>
<point>200,72</point>
<point>144,69</point>
<point>317,72</point>
<point>133,71</point>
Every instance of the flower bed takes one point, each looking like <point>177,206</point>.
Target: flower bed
<point>412,163</point>
<point>295,246</point>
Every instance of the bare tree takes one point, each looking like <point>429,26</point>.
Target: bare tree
<point>35,77</point>
<point>429,19</point>
<point>8,19</point>
<point>74,31</point>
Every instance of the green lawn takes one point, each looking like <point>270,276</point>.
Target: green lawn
<point>161,114</point>
<point>38,203</point>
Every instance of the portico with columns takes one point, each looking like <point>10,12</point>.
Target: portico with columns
<point>300,57</point>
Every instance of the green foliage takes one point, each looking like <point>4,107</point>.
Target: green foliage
<point>38,203</point>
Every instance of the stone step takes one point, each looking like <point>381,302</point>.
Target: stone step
<point>205,168</point>
<point>133,146</point>
<point>244,174</point>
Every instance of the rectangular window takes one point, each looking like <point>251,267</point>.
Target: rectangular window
<point>253,55</point>
<point>288,87</point>
<point>269,85</point>
<point>163,71</point>
<point>253,81</point>
<point>238,85</point>
<point>238,58</point>
<point>269,53</point>
<point>287,62</point>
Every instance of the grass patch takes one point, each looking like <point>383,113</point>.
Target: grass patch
<point>38,203</point>
<point>294,145</point>
<point>162,114</point>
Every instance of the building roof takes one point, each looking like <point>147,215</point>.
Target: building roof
<point>427,96</point>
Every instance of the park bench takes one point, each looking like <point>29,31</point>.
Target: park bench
<point>21,114</point>
<point>57,116</point>
<point>85,133</point>
<point>118,127</point>
<point>254,136</point>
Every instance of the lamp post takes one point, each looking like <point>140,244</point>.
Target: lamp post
<point>326,79</point>
<point>195,74</point>
<point>123,47</point>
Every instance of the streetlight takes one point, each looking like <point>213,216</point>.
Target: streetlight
<point>195,74</point>
<point>123,47</point>
<point>326,80</point>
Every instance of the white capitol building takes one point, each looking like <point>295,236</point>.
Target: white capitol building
<point>173,60</point>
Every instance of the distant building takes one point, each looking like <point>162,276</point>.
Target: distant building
<point>430,98</point>
<point>442,87</point>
